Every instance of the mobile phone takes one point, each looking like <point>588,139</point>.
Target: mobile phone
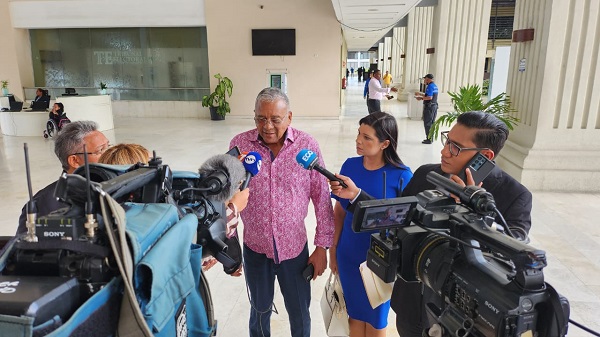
<point>308,272</point>
<point>479,166</point>
<point>234,151</point>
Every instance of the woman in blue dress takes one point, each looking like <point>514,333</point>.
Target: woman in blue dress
<point>376,144</point>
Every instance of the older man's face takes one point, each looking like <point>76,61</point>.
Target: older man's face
<point>272,120</point>
<point>95,145</point>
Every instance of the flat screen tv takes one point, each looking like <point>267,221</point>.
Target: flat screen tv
<point>273,42</point>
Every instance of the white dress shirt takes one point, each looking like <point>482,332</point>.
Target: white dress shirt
<point>376,91</point>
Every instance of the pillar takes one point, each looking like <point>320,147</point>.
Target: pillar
<point>553,82</point>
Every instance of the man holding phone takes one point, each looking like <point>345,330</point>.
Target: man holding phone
<point>475,133</point>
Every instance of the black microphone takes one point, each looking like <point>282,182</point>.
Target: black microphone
<point>252,163</point>
<point>309,160</point>
<point>221,175</point>
<point>475,197</point>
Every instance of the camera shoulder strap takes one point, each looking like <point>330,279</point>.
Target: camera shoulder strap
<point>131,320</point>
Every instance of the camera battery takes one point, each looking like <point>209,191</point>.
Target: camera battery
<point>383,257</point>
<point>41,298</point>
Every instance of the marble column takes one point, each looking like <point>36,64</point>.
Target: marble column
<point>553,83</point>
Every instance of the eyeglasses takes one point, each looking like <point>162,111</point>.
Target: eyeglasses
<point>274,121</point>
<point>96,153</point>
<point>454,148</point>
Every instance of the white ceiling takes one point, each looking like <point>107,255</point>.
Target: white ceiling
<point>366,21</point>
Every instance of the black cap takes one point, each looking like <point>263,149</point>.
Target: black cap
<point>429,76</point>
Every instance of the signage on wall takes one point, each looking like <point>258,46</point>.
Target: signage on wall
<point>122,57</point>
<point>522,65</point>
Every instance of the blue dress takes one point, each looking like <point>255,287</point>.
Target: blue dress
<point>352,247</point>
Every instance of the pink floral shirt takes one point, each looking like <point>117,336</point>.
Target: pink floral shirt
<point>279,197</point>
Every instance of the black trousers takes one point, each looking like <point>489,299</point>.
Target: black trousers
<point>429,114</point>
<point>407,303</point>
<point>374,105</point>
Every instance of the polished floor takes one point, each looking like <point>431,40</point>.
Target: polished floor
<point>565,225</point>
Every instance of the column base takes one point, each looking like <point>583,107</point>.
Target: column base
<point>562,170</point>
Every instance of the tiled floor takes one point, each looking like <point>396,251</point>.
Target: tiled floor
<point>565,225</point>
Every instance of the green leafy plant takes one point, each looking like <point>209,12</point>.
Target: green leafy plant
<point>469,99</point>
<point>4,84</point>
<point>102,85</point>
<point>218,98</point>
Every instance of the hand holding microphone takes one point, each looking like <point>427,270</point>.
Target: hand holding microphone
<point>309,160</point>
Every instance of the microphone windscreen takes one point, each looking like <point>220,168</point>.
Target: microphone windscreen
<point>306,158</point>
<point>252,162</point>
<point>232,167</point>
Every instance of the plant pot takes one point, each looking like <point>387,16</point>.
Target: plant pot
<point>5,91</point>
<point>214,116</point>
<point>103,91</point>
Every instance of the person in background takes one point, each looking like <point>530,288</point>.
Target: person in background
<point>68,147</point>
<point>58,115</point>
<point>40,96</point>
<point>376,92</point>
<point>125,154</point>
<point>387,79</point>
<point>275,240</point>
<point>430,105</point>
<point>376,145</point>
<point>366,90</point>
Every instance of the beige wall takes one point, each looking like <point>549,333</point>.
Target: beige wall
<point>313,83</point>
<point>15,54</point>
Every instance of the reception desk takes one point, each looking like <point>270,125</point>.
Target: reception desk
<point>89,108</point>
<point>32,123</point>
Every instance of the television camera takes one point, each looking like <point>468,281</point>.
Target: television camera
<point>65,257</point>
<point>483,282</point>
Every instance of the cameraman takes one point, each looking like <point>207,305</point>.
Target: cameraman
<point>474,132</point>
<point>68,147</point>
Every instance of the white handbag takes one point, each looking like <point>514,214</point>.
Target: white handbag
<point>333,307</point>
<point>378,291</point>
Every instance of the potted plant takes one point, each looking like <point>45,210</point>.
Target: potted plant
<point>469,98</point>
<point>103,88</point>
<point>217,100</point>
<point>4,87</point>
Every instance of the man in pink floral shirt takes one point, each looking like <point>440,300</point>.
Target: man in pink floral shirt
<point>275,239</point>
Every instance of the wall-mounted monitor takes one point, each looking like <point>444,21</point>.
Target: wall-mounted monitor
<point>273,42</point>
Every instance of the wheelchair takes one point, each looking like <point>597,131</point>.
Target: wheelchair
<point>52,128</point>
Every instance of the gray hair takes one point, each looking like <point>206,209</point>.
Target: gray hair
<point>70,140</point>
<point>271,95</point>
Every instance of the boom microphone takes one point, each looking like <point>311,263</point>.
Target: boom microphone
<point>252,163</point>
<point>309,160</point>
<point>221,175</point>
<point>475,197</point>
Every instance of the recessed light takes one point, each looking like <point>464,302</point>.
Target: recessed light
<point>373,10</point>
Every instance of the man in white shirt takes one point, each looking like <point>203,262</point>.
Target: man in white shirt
<point>376,92</point>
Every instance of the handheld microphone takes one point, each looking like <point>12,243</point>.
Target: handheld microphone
<point>309,160</point>
<point>221,175</point>
<point>475,197</point>
<point>252,163</point>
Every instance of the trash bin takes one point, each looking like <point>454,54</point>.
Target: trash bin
<point>415,108</point>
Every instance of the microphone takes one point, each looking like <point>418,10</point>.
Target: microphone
<point>309,160</point>
<point>475,197</point>
<point>252,163</point>
<point>221,176</point>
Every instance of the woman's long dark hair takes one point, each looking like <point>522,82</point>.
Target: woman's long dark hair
<point>386,128</point>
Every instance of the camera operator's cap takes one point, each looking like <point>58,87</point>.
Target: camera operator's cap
<point>429,76</point>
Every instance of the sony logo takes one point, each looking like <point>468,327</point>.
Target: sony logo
<point>375,263</point>
<point>492,307</point>
<point>54,234</point>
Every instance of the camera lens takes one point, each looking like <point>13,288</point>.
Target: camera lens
<point>430,260</point>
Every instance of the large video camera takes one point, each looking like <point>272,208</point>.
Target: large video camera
<point>65,257</point>
<point>484,282</point>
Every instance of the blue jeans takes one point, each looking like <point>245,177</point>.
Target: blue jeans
<point>260,275</point>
